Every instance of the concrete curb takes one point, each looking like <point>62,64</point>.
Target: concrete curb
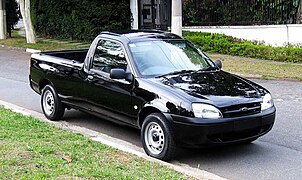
<point>32,51</point>
<point>114,142</point>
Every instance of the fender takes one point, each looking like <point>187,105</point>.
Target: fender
<point>157,105</point>
<point>43,83</point>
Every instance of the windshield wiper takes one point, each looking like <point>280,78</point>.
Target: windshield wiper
<point>187,71</point>
<point>175,72</point>
<point>208,69</point>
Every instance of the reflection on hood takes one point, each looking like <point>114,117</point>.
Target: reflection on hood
<point>212,83</point>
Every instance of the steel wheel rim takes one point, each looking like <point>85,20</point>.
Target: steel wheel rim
<point>154,138</point>
<point>48,102</point>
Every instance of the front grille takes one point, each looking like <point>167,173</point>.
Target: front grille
<point>241,110</point>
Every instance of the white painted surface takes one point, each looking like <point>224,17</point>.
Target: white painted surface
<point>275,35</point>
<point>176,20</point>
<point>2,24</point>
<point>32,51</point>
<point>134,11</point>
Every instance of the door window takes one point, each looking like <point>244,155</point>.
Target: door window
<point>109,55</point>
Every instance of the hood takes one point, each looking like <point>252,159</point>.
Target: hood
<point>216,86</point>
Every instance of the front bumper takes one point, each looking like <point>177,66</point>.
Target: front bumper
<point>199,132</point>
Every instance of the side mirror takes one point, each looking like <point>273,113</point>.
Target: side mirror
<point>218,63</point>
<point>118,73</point>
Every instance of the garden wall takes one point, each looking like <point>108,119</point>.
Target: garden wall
<point>275,35</point>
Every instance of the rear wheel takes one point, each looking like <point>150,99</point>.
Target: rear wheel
<point>157,137</point>
<point>52,106</point>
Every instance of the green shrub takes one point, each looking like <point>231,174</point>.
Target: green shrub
<point>79,19</point>
<point>218,43</point>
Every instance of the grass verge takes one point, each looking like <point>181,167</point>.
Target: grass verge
<point>31,149</point>
<point>42,44</point>
<point>263,69</point>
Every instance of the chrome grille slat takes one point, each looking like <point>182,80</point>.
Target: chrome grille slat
<point>241,110</point>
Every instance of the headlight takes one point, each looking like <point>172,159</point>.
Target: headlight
<point>267,102</point>
<point>206,111</point>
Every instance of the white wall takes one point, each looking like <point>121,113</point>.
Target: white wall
<point>276,35</point>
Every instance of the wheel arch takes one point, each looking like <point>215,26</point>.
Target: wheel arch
<point>154,107</point>
<point>43,83</point>
<point>145,112</point>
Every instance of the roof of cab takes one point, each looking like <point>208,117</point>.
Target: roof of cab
<point>141,35</point>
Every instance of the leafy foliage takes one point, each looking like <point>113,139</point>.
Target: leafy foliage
<point>240,12</point>
<point>12,15</point>
<point>79,19</point>
<point>218,43</point>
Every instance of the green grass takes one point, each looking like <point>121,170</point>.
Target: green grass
<point>31,149</point>
<point>260,68</point>
<point>42,44</point>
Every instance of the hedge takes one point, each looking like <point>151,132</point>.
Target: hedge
<point>79,19</point>
<point>218,43</point>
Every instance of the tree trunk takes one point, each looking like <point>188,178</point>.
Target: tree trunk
<point>299,13</point>
<point>25,12</point>
<point>9,31</point>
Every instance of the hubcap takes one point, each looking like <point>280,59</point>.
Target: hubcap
<point>154,138</point>
<point>48,102</point>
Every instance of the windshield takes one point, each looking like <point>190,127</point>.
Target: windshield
<point>162,57</point>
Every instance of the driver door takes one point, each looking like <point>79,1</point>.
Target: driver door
<point>107,96</point>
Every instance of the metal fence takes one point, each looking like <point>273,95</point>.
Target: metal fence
<point>239,12</point>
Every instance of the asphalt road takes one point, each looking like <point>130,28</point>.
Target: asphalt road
<point>277,155</point>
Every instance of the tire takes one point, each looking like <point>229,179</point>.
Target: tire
<point>157,137</point>
<point>51,104</point>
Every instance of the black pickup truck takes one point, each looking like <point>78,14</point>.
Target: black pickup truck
<point>157,82</point>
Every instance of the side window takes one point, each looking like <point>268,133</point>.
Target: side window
<point>109,55</point>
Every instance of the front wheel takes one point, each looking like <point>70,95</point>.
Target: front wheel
<point>52,106</point>
<point>157,137</point>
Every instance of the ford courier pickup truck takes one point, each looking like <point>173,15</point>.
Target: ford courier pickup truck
<point>157,82</point>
